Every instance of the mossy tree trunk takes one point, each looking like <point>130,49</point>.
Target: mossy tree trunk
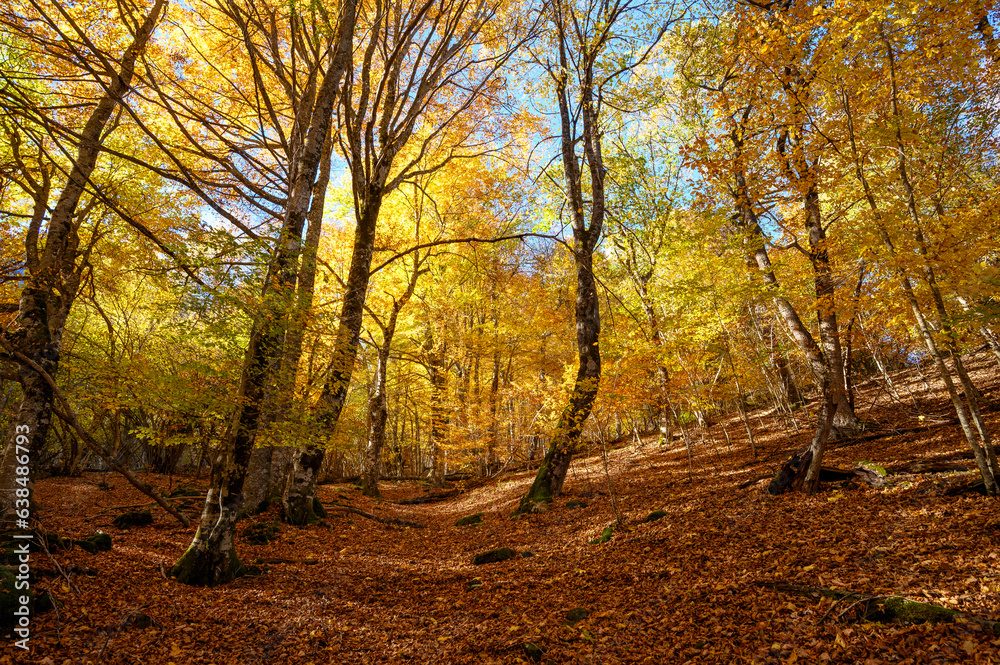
<point>577,93</point>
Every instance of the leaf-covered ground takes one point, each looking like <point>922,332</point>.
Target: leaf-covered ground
<point>696,586</point>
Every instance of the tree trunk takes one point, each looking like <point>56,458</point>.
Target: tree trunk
<point>565,440</point>
<point>982,446</point>
<point>268,471</point>
<point>211,558</point>
<point>439,418</point>
<point>786,382</point>
<point>385,104</point>
<point>54,278</point>
<point>987,466</point>
<point>493,429</point>
<point>988,335</point>
<point>300,491</point>
<point>371,461</point>
<point>829,331</point>
<point>266,477</point>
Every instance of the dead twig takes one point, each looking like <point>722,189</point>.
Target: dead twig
<point>835,603</point>
<point>41,542</point>
<point>867,600</point>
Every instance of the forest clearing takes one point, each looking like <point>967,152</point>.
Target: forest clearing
<point>461,331</point>
<point>722,577</point>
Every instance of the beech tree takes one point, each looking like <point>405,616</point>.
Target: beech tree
<point>56,267</point>
<point>416,56</point>
<point>589,52</point>
<point>211,558</point>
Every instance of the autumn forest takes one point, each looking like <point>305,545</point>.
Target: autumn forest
<point>485,331</point>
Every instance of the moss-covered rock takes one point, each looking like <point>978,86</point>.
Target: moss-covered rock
<point>53,541</point>
<point>494,556</point>
<point>577,614</point>
<point>605,535</point>
<point>134,518</point>
<point>261,533</point>
<point>99,542</point>
<point>533,652</point>
<point>8,595</point>
<point>86,546</point>
<point>102,541</point>
<point>10,599</point>
<point>655,515</point>
<point>471,520</point>
<point>43,602</point>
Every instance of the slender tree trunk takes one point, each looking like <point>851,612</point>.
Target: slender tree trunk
<point>786,382</point>
<point>829,331</point>
<point>552,474</point>
<point>493,428</point>
<point>988,335</point>
<point>666,426</point>
<point>371,461</point>
<point>300,490</point>
<point>439,418</point>
<point>982,445</point>
<point>565,440</point>
<point>985,462</point>
<point>54,278</point>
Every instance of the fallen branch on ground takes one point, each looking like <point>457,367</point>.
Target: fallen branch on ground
<point>430,498</point>
<point>383,520</point>
<point>753,481</point>
<point>793,471</point>
<point>128,507</point>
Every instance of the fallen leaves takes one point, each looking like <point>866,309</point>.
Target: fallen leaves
<point>681,588</point>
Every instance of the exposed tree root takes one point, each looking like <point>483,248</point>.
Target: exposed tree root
<point>792,472</point>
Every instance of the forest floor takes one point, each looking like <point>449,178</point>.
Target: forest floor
<point>698,585</point>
